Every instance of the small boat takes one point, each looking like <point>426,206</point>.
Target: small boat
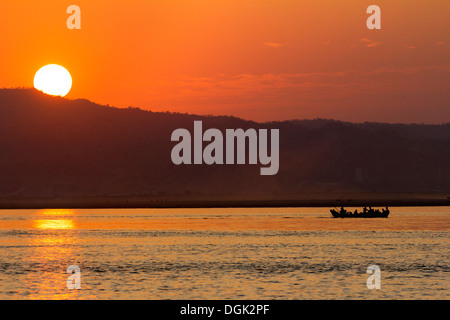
<point>366,213</point>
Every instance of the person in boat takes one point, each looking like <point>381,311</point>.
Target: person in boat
<point>343,211</point>
<point>364,212</point>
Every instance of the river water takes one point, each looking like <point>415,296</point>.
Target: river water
<point>235,253</point>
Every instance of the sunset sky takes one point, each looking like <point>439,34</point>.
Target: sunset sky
<point>261,60</point>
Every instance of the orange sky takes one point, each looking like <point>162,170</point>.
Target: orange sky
<point>257,59</point>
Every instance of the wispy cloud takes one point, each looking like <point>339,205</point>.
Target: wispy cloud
<point>369,43</point>
<point>274,44</point>
<point>388,94</point>
<point>409,46</point>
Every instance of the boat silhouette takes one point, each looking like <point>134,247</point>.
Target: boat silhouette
<point>366,213</point>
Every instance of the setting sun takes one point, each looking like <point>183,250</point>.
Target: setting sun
<point>54,80</point>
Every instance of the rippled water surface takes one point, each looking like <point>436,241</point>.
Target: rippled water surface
<point>252,253</point>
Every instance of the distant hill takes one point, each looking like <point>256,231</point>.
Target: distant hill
<point>54,147</point>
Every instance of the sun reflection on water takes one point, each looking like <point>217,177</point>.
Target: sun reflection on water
<point>54,224</point>
<point>54,249</point>
<point>56,212</point>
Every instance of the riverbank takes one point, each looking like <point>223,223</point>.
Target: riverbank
<point>229,201</point>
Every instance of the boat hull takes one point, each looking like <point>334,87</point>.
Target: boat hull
<point>337,214</point>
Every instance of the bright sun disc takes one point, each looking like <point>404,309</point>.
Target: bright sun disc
<point>54,80</point>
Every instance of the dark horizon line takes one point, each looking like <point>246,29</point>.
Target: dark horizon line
<point>149,203</point>
<point>230,116</point>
